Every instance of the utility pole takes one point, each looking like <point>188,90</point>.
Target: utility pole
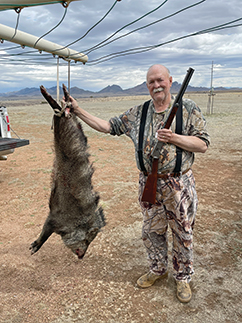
<point>210,94</point>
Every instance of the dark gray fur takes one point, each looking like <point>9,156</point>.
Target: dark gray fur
<point>74,213</point>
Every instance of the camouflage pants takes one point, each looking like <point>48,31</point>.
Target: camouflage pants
<point>176,206</point>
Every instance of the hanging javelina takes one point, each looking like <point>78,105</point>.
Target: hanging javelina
<point>74,213</point>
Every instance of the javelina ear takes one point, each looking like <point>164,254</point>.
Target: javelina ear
<point>91,234</point>
<point>49,99</point>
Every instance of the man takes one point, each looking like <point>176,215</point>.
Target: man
<point>176,199</point>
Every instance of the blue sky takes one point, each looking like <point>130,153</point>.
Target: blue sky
<point>223,47</point>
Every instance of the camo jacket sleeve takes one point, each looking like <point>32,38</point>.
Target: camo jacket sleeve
<point>194,123</point>
<point>127,123</point>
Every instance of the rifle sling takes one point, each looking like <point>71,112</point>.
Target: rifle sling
<point>141,135</point>
<point>179,120</point>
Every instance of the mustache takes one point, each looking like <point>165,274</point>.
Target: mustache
<point>160,89</point>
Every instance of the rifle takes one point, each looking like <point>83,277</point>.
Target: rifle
<point>149,193</point>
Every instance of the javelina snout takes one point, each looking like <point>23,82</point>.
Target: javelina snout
<point>74,213</point>
<point>79,240</point>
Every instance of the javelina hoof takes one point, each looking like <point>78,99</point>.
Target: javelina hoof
<point>34,247</point>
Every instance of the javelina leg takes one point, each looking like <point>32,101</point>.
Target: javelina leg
<point>66,93</point>
<point>49,99</point>
<point>45,234</point>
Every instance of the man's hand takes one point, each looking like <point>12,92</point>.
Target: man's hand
<point>94,122</point>
<point>73,103</point>
<point>164,135</point>
<point>189,143</point>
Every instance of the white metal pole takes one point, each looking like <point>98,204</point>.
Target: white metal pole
<point>57,85</point>
<point>212,94</point>
<point>69,76</point>
<point>25,39</point>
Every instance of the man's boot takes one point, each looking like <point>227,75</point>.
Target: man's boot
<point>149,279</point>
<point>184,293</point>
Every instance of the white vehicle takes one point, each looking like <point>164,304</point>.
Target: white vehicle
<point>7,144</point>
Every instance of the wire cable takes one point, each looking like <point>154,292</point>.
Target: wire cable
<point>31,56</point>
<point>97,23</point>
<point>65,11</point>
<point>88,51</point>
<point>92,48</point>
<point>16,27</point>
<point>10,48</point>
<point>115,2</point>
<point>148,48</point>
<point>127,25</point>
<point>104,42</point>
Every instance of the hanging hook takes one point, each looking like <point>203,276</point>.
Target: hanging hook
<point>65,4</point>
<point>18,10</point>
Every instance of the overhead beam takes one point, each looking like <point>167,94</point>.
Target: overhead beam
<point>19,4</point>
<point>25,39</point>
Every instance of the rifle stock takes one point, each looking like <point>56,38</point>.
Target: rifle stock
<point>149,193</point>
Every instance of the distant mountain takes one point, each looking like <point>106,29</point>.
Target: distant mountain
<point>110,90</point>
<point>76,91</point>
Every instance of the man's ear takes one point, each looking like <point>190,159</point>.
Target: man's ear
<point>170,80</point>
<point>92,233</point>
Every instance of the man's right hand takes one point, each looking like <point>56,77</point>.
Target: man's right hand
<point>94,122</point>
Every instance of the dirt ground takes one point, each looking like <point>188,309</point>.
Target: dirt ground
<point>53,286</point>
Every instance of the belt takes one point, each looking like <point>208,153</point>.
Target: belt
<point>166,176</point>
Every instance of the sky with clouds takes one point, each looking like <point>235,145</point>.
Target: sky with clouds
<point>168,38</point>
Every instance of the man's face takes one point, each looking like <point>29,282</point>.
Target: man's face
<point>159,83</point>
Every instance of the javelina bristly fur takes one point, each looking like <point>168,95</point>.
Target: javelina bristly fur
<point>74,213</point>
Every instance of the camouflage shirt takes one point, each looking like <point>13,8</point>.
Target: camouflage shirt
<point>194,124</point>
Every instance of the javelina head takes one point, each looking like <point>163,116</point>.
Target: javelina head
<point>79,240</point>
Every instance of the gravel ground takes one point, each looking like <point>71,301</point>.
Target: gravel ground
<point>53,286</point>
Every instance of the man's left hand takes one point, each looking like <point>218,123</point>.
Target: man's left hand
<point>164,135</point>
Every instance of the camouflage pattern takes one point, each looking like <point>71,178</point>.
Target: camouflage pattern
<point>176,197</point>
<point>176,206</point>
<point>128,123</point>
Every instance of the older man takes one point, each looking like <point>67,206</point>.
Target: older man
<point>176,198</point>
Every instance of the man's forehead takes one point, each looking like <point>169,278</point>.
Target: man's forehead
<point>157,73</point>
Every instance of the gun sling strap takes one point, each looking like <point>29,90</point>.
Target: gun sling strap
<point>179,118</point>
<point>141,135</point>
